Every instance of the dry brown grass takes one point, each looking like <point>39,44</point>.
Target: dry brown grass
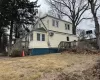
<point>31,68</point>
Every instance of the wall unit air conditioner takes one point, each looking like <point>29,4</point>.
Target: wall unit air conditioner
<point>51,33</point>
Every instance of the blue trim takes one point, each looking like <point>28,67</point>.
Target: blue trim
<point>41,51</point>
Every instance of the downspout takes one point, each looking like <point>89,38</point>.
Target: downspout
<point>48,36</point>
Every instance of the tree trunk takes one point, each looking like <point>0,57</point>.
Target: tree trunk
<point>97,30</point>
<point>0,44</point>
<point>11,33</point>
<point>73,28</point>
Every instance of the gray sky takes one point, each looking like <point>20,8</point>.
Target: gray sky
<point>85,24</point>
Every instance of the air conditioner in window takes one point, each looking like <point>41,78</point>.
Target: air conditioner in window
<point>51,33</point>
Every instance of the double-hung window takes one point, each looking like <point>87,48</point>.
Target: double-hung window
<point>67,27</point>
<point>40,37</point>
<point>43,37</point>
<point>55,23</point>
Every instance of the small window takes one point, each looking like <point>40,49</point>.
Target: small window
<point>31,36</point>
<point>67,38</point>
<point>43,37</point>
<point>38,37</point>
<point>53,22</point>
<point>57,23</point>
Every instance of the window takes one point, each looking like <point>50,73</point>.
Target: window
<point>43,37</point>
<point>57,23</point>
<point>53,22</point>
<point>67,27</point>
<point>31,36</point>
<point>67,38</point>
<point>38,37</point>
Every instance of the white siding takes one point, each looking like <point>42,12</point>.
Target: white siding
<point>61,26</point>
<point>38,44</point>
<point>58,37</point>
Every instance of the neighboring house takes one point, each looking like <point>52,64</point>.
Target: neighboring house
<point>47,35</point>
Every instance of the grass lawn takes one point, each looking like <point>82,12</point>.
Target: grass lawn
<point>33,67</point>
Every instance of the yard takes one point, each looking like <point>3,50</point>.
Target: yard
<point>45,67</point>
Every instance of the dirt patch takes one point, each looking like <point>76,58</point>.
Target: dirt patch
<point>88,74</point>
<point>46,67</point>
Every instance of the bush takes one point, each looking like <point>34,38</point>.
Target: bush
<point>16,53</point>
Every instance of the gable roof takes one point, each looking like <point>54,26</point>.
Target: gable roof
<point>55,18</point>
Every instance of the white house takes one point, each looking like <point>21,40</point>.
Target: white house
<point>48,33</point>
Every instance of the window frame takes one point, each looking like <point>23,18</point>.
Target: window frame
<point>57,23</point>
<point>68,27</point>
<point>38,37</point>
<point>53,22</point>
<point>43,37</point>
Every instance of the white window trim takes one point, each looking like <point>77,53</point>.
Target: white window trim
<point>41,37</point>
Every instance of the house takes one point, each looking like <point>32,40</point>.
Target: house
<point>48,33</point>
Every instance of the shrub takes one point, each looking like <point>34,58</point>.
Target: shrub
<point>16,53</point>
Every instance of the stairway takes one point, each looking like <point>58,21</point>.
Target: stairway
<point>64,45</point>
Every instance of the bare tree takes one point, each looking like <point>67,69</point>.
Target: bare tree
<point>81,34</point>
<point>56,12</point>
<point>95,5</point>
<point>73,9</point>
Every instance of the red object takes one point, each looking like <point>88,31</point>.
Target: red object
<point>23,54</point>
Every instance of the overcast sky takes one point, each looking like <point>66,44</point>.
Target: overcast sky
<point>85,24</point>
